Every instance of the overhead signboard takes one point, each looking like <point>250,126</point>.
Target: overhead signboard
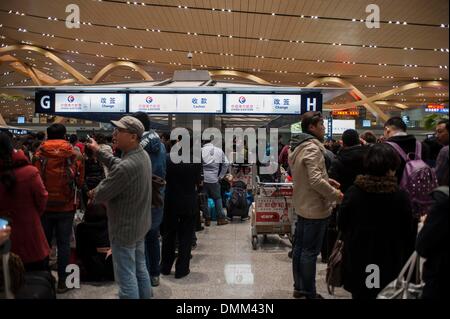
<point>339,126</point>
<point>436,108</point>
<point>176,103</point>
<point>167,102</point>
<point>266,104</point>
<point>246,103</point>
<point>200,103</point>
<point>153,103</point>
<point>51,102</point>
<point>87,102</point>
<point>345,113</point>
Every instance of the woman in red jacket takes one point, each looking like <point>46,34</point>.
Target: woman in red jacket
<point>22,201</point>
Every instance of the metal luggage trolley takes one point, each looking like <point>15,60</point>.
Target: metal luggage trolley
<point>272,212</point>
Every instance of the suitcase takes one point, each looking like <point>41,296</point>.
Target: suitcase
<point>38,285</point>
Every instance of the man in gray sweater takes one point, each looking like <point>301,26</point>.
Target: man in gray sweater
<point>127,193</point>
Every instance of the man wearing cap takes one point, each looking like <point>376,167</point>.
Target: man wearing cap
<point>127,193</point>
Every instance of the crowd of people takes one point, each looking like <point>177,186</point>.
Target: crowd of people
<point>141,208</point>
<point>370,188</point>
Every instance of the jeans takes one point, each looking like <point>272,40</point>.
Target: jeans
<point>130,271</point>
<point>60,223</point>
<point>309,234</point>
<point>152,245</point>
<point>212,190</point>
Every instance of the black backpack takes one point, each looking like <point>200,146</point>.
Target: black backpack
<point>237,204</point>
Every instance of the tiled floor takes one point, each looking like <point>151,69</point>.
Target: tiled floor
<point>224,265</point>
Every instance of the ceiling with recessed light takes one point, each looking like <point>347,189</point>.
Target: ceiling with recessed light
<point>287,43</point>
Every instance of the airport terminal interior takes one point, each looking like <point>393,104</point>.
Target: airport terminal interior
<point>364,70</point>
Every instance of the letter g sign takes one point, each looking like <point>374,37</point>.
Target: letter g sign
<point>45,102</point>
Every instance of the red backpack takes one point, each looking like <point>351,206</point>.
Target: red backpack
<point>60,172</point>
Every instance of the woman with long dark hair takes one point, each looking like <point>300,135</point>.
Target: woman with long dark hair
<point>22,201</point>
<point>375,219</point>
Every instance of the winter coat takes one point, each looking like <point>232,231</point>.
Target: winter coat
<point>151,143</point>
<point>181,197</point>
<point>442,166</point>
<point>283,159</point>
<point>313,196</point>
<point>375,219</point>
<point>432,244</point>
<point>347,165</point>
<point>24,205</point>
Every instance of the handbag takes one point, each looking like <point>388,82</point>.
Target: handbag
<point>158,184</point>
<point>402,288</point>
<point>334,267</point>
<point>12,272</point>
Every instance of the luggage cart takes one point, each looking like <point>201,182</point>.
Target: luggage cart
<point>272,212</point>
<point>245,173</point>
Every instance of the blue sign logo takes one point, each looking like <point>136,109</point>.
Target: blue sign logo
<point>70,98</point>
<point>242,99</point>
<point>149,99</point>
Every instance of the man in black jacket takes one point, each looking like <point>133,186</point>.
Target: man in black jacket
<point>349,161</point>
<point>395,131</point>
<point>347,164</point>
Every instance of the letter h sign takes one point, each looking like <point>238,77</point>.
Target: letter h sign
<point>311,102</point>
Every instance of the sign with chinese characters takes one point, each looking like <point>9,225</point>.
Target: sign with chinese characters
<point>199,103</point>
<point>153,103</point>
<point>108,103</point>
<point>176,103</point>
<point>244,103</point>
<point>273,210</point>
<point>263,104</point>
<point>207,101</point>
<point>282,104</point>
<point>436,108</point>
<point>345,113</point>
<point>86,102</point>
<point>329,130</point>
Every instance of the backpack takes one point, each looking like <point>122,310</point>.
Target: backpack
<point>58,175</point>
<point>237,204</point>
<point>418,180</point>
